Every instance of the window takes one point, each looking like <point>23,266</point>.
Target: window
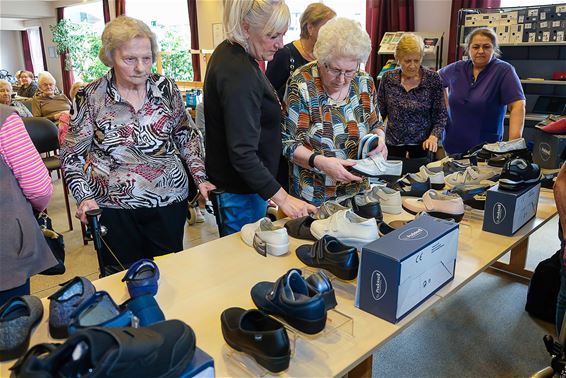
<point>36,50</point>
<point>170,23</point>
<point>355,10</point>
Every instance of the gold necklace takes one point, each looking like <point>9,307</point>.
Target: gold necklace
<point>309,55</point>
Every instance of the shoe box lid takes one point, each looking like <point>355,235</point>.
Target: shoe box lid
<point>405,267</point>
<point>202,365</point>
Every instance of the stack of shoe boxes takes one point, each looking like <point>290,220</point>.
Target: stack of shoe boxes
<point>549,150</point>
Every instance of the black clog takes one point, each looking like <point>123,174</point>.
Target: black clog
<point>254,333</point>
<point>300,228</point>
<point>331,254</point>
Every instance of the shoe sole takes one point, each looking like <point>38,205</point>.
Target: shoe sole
<point>383,177</point>
<point>437,214</point>
<point>273,364</point>
<point>516,185</point>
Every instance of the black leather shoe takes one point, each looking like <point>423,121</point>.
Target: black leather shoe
<point>364,208</point>
<point>163,349</point>
<point>330,254</point>
<point>260,336</point>
<point>288,297</point>
<point>410,186</point>
<point>319,283</point>
<point>300,228</point>
<point>500,160</point>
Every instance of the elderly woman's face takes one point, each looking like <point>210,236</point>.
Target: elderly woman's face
<point>338,74</point>
<point>47,87</point>
<point>481,50</point>
<point>410,64</point>
<point>5,94</point>
<point>263,47</point>
<point>132,62</point>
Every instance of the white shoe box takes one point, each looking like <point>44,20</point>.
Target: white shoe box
<point>402,269</point>
<point>507,211</point>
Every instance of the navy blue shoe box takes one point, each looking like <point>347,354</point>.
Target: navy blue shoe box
<point>507,211</point>
<point>402,269</point>
<point>202,366</point>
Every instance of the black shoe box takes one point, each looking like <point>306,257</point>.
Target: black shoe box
<point>549,149</point>
<point>507,211</point>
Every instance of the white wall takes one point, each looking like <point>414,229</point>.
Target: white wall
<point>434,16</point>
<point>11,58</point>
<point>53,64</point>
<point>209,12</point>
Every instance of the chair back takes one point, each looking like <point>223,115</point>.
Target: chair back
<point>43,133</point>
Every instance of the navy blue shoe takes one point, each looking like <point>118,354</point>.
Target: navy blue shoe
<point>141,278</point>
<point>289,298</point>
<point>331,254</point>
<point>18,318</point>
<point>319,283</point>
<point>145,308</point>
<point>101,311</point>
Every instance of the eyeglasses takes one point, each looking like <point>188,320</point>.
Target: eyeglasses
<point>337,73</point>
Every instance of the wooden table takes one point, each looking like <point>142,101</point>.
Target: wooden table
<point>196,285</point>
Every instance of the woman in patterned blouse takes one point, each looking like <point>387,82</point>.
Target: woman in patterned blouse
<point>412,100</point>
<point>122,151</point>
<point>331,106</point>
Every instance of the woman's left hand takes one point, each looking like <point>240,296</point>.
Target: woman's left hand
<point>431,143</point>
<point>381,148</point>
<point>206,187</point>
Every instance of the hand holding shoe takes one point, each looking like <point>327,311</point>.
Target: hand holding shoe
<point>381,147</point>
<point>291,206</point>
<point>336,168</point>
<point>206,187</point>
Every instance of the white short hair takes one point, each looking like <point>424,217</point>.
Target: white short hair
<point>267,16</point>
<point>44,75</point>
<point>342,38</point>
<point>6,83</point>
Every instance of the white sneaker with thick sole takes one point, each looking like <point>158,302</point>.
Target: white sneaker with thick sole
<point>349,228</point>
<point>389,199</point>
<point>436,178</point>
<point>473,175</point>
<point>265,237</point>
<point>377,166</point>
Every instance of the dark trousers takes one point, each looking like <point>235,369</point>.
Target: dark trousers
<point>15,292</point>
<point>135,234</point>
<point>413,151</point>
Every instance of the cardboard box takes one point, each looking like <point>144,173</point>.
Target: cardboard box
<point>202,366</point>
<point>507,211</point>
<point>516,33</point>
<point>405,267</point>
<point>549,149</point>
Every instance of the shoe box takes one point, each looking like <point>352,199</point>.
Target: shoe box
<point>549,149</point>
<point>202,366</point>
<point>402,269</point>
<point>507,211</point>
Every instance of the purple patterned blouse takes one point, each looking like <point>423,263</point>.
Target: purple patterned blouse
<point>414,115</point>
<point>129,159</point>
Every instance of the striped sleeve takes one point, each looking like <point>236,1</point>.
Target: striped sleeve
<point>20,155</point>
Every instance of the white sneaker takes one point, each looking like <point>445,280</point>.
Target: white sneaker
<point>327,209</point>
<point>438,204</point>
<point>389,199</point>
<point>473,175</point>
<point>377,166</point>
<point>436,178</point>
<point>502,147</point>
<point>349,228</point>
<point>265,237</point>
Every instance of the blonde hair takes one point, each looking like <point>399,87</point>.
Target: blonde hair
<point>267,16</point>
<point>27,73</point>
<point>43,76</point>
<point>314,15</point>
<point>486,32</point>
<point>121,30</point>
<point>409,44</point>
<point>342,38</point>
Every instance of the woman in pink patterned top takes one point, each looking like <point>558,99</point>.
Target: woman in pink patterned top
<point>125,146</point>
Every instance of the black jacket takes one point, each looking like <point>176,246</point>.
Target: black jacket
<point>243,124</point>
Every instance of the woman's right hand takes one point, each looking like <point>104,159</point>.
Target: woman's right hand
<point>336,168</point>
<point>291,206</point>
<point>88,204</point>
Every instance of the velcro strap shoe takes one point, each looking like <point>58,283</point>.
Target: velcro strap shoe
<point>266,238</point>
<point>350,228</point>
<point>331,254</point>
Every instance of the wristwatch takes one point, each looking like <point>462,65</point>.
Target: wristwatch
<point>311,159</point>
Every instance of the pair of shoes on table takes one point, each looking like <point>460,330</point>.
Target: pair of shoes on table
<point>411,185</point>
<point>265,237</point>
<point>439,204</point>
<point>473,175</point>
<point>163,350</point>
<point>498,148</point>
<point>349,228</point>
<point>331,254</point>
<point>519,173</point>
<point>18,318</point>
<point>500,160</point>
<point>377,166</point>
<point>366,206</point>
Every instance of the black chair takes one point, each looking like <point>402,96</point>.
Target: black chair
<point>44,135</point>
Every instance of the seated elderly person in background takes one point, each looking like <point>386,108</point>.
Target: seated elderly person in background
<point>6,99</point>
<point>331,106</point>
<point>47,103</point>
<point>131,128</point>
<point>28,86</point>
<point>412,99</point>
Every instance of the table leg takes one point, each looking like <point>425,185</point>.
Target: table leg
<point>363,370</point>
<point>517,261</point>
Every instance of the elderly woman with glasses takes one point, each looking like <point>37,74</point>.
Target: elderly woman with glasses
<point>47,102</point>
<point>331,106</point>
